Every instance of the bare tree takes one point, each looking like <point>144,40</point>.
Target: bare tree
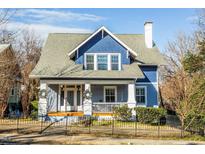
<point>9,70</point>
<point>29,51</point>
<point>181,91</point>
<point>7,36</point>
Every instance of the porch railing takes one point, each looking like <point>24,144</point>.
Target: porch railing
<point>106,106</point>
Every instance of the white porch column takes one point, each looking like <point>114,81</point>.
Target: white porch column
<point>87,102</point>
<point>131,96</point>
<point>42,105</point>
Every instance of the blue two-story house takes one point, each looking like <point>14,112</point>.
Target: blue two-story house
<point>85,74</point>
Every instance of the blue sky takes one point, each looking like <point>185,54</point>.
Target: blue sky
<point>167,22</point>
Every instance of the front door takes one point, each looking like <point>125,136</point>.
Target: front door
<point>71,100</point>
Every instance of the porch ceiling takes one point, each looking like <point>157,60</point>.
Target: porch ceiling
<point>93,81</point>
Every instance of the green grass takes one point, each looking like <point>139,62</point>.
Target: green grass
<point>102,122</point>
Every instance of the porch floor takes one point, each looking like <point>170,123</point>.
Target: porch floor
<point>79,114</point>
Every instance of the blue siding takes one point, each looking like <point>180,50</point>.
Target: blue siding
<point>150,73</point>
<point>97,44</point>
<point>152,94</point>
<point>98,93</point>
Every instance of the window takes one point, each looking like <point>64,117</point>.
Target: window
<point>114,62</point>
<point>102,62</point>
<point>78,97</point>
<point>62,98</point>
<point>90,62</point>
<point>110,94</point>
<point>141,95</point>
<point>12,92</point>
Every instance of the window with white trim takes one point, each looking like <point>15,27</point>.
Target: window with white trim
<point>114,62</point>
<point>110,94</point>
<point>141,95</point>
<point>102,62</point>
<point>90,62</point>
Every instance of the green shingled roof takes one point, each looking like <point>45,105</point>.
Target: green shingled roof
<point>55,62</point>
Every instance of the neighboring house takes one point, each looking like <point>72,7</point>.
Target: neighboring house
<point>14,102</point>
<point>14,98</point>
<point>91,73</point>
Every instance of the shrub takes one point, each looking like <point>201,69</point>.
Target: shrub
<point>149,114</point>
<point>195,122</point>
<point>34,114</point>
<point>34,105</point>
<point>122,113</point>
<point>34,109</point>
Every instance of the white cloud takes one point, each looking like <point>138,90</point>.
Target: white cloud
<point>43,29</point>
<point>53,15</point>
<point>44,21</point>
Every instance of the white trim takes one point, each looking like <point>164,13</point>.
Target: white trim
<point>112,103</point>
<point>77,53</point>
<point>141,104</point>
<point>81,95</point>
<point>102,33</point>
<point>101,54</point>
<point>91,81</point>
<point>105,29</point>
<point>109,61</point>
<point>119,60</point>
<point>146,83</point>
<point>111,87</point>
<point>85,59</point>
<point>109,67</point>
<point>127,54</point>
<point>59,100</point>
<point>75,106</point>
<point>95,61</point>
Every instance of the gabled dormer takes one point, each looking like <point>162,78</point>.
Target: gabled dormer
<point>102,50</point>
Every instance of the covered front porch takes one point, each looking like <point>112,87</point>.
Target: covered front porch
<point>85,97</point>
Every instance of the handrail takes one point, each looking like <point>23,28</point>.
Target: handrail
<point>109,103</point>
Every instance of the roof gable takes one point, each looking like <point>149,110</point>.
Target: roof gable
<point>53,58</point>
<point>102,29</point>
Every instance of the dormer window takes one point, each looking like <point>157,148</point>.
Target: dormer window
<point>90,62</point>
<point>114,62</point>
<point>102,61</point>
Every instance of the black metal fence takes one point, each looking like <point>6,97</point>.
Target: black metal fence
<point>92,125</point>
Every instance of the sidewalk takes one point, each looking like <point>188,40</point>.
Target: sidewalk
<point>85,139</point>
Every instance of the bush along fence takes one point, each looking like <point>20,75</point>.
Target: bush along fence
<point>91,125</point>
<point>148,122</point>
